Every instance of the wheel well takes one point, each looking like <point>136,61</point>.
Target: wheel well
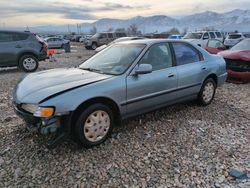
<point>106,101</point>
<point>214,77</point>
<point>26,53</point>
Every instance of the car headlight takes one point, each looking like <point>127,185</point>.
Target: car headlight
<point>29,107</point>
<point>38,111</point>
<point>44,112</point>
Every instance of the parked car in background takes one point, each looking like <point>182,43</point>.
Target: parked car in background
<point>201,38</point>
<point>238,61</point>
<point>22,49</point>
<point>175,37</point>
<point>100,39</point>
<point>215,46</point>
<point>122,81</point>
<point>100,48</point>
<point>85,37</point>
<point>56,42</point>
<point>233,39</point>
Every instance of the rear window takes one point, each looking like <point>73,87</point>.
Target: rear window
<point>234,36</point>
<point>120,35</point>
<point>218,34</point>
<point>20,36</point>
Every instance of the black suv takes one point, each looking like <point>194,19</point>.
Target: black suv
<point>22,49</point>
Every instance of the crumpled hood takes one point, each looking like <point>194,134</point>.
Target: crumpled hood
<point>40,85</point>
<point>243,55</point>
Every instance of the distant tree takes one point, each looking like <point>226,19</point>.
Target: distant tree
<point>133,29</point>
<point>120,30</point>
<point>174,31</point>
<point>184,32</point>
<point>110,29</point>
<point>93,30</point>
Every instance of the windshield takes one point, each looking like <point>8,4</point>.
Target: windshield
<point>96,35</point>
<point>193,36</point>
<point>243,45</point>
<point>114,60</point>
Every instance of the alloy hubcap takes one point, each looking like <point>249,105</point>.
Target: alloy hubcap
<point>29,63</point>
<point>96,126</point>
<point>208,92</point>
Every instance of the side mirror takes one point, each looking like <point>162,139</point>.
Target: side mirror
<point>143,69</point>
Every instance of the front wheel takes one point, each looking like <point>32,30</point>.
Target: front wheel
<point>28,63</point>
<point>207,92</point>
<point>94,125</point>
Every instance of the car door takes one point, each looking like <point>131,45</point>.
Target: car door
<point>205,38</point>
<point>9,49</point>
<point>215,46</point>
<point>191,69</point>
<point>103,39</point>
<point>155,89</point>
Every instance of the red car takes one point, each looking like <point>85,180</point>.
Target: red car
<point>237,59</point>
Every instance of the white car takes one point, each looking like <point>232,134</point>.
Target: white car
<point>233,39</point>
<point>201,38</point>
<point>56,42</point>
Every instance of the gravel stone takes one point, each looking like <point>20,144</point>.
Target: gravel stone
<point>183,145</point>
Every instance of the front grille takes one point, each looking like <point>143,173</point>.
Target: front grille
<point>238,65</point>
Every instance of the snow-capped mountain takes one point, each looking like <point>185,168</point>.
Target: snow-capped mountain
<point>228,21</point>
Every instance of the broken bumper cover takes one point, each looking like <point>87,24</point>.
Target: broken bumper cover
<point>238,76</point>
<point>35,124</point>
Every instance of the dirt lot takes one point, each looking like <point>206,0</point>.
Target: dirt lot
<point>184,145</point>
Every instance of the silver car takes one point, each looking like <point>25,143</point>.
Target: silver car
<point>56,42</point>
<point>124,80</point>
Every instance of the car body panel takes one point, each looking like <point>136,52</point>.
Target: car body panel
<point>238,65</point>
<point>11,51</point>
<point>67,89</point>
<point>51,82</point>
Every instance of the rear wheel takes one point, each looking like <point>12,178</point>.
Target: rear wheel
<point>28,63</point>
<point>207,92</point>
<point>94,125</point>
<point>94,46</point>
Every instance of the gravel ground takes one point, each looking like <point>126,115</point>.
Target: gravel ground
<point>184,145</point>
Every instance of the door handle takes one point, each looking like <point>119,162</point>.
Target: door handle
<point>171,75</point>
<point>18,46</point>
<point>204,68</point>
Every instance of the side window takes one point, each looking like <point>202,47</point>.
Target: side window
<point>110,35</point>
<point>185,54</point>
<point>102,36</point>
<point>6,37</point>
<point>205,36</point>
<point>159,56</point>
<point>212,35</point>
<point>218,34</point>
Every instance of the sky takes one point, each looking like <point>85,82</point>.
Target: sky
<point>45,12</point>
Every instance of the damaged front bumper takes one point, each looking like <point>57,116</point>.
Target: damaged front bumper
<point>61,125</point>
<point>44,126</point>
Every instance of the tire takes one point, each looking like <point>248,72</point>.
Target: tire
<point>207,92</point>
<point>28,63</point>
<point>87,47</point>
<point>89,122</point>
<point>94,46</point>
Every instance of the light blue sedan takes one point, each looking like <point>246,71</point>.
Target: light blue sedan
<point>124,80</point>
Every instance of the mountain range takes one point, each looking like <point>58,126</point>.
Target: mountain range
<point>229,21</point>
